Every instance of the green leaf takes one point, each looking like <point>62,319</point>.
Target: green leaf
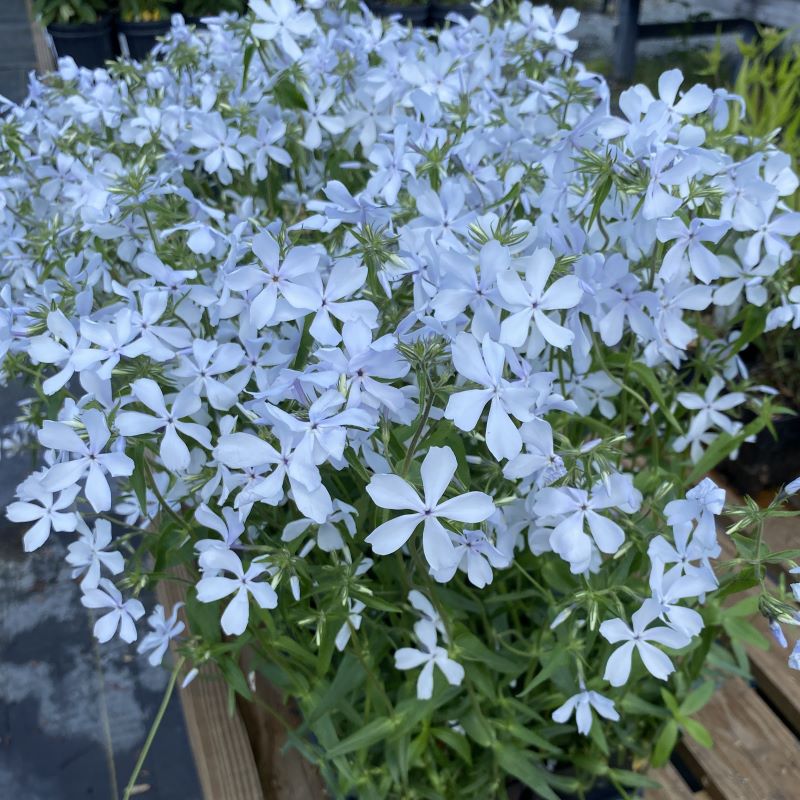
<point>697,698</point>
<point>634,779</point>
<point>741,630</point>
<point>598,736</point>
<point>698,732</point>
<point>371,600</point>
<point>752,327</point>
<point>635,705</point>
<point>518,763</point>
<point>248,57</point>
<point>544,673</point>
<point>471,648</point>
<point>669,700</point>
<point>138,478</point>
<point>744,580</point>
<point>455,741</point>
<point>744,608</point>
<point>234,677</point>
<point>349,675</point>
<point>371,733</point>
<point>646,376</point>
<point>203,619</point>
<point>665,743</point>
<point>527,736</point>
<point>602,193</point>
<point>477,729</point>
<point>722,447</point>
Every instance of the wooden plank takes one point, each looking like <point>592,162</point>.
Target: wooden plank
<point>284,773</point>
<point>673,786</point>
<point>754,756</point>
<point>45,59</point>
<point>779,684</point>
<point>225,763</point>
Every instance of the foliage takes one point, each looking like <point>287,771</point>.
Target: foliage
<point>768,81</point>
<point>201,8</point>
<point>69,12</point>
<point>144,10</point>
<point>414,357</point>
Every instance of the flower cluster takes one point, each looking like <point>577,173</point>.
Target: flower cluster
<point>408,351</point>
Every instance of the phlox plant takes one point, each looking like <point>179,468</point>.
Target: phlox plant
<point>408,358</point>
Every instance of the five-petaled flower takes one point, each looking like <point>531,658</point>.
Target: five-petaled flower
<point>638,637</point>
<point>392,492</point>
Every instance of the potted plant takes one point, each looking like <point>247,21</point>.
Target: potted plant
<point>78,28</point>
<point>401,353</point>
<point>440,9</point>
<point>139,23</point>
<point>407,11</point>
<point>194,10</point>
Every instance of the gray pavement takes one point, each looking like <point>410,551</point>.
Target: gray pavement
<point>17,55</point>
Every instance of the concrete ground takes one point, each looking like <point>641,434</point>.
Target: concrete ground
<point>73,714</point>
<point>17,54</point>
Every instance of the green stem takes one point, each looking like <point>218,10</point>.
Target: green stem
<point>412,447</point>
<point>153,728</point>
<point>151,229</point>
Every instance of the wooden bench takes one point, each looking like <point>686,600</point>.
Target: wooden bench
<point>756,753</point>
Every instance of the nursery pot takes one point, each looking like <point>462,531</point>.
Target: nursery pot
<point>602,790</point>
<point>767,462</point>
<point>416,14</point>
<point>141,36</point>
<point>437,13</point>
<point>90,44</point>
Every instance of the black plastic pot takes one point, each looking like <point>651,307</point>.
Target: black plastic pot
<point>416,14</point>
<point>437,13</point>
<point>141,36</point>
<point>90,44</point>
<point>600,791</point>
<point>768,462</point>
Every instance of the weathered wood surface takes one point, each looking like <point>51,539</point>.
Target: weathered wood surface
<point>754,754</point>
<point>673,786</point>
<point>283,772</point>
<point>225,763</point>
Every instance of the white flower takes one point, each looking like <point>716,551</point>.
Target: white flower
<point>793,487</point>
<point>572,509</point>
<point>91,461</point>
<point>89,554</point>
<point>122,615</point>
<point>47,508</point>
<point>353,623</point>
<point>703,504</point>
<point>392,492</point>
<point>485,367</point>
<point>174,452</point>
<point>529,300</point>
<point>581,704</point>
<point>429,655</point>
<point>475,554</point>
<point>165,629</point>
<point>710,405</point>
<point>241,586</point>
<point>282,21</point>
<point>639,637</point>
